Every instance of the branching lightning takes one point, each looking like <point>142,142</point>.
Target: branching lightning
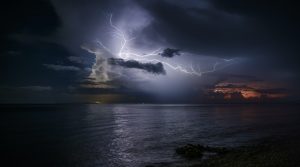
<point>126,53</point>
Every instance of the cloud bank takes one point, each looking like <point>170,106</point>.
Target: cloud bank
<point>155,68</point>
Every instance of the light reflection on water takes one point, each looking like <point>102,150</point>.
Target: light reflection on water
<point>134,135</point>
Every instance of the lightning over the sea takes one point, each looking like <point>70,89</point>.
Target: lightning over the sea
<point>124,52</point>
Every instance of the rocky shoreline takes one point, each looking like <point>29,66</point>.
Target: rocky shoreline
<point>266,154</point>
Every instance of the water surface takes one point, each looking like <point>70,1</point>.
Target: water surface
<point>131,135</point>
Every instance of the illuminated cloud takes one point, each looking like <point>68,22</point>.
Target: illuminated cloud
<point>249,90</point>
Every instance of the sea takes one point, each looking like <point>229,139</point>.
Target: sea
<point>132,135</point>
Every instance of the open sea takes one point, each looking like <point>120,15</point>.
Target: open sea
<point>88,135</point>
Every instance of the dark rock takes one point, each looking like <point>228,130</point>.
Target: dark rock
<point>192,151</point>
<point>218,150</point>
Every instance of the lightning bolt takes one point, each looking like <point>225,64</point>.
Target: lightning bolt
<point>126,53</point>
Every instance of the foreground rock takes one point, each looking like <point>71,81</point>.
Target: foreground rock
<point>192,151</point>
<point>281,153</point>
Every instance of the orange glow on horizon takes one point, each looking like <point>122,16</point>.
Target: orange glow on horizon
<point>250,94</point>
<point>247,91</point>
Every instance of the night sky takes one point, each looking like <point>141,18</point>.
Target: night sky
<point>149,51</point>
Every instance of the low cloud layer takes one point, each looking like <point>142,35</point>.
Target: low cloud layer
<point>37,88</point>
<point>155,68</point>
<point>61,67</point>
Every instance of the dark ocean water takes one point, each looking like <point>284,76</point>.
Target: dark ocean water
<point>131,135</point>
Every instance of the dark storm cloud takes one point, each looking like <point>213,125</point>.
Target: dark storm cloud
<point>204,31</point>
<point>170,52</point>
<point>78,60</point>
<point>32,17</point>
<point>40,43</point>
<point>38,64</point>
<point>33,54</point>
<point>25,24</point>
<point>156,68</point>
<point>27,88</point>
<point>230,28</point>
<point>61,67</point>
<point>37,88</point>
<point>47,33</point>
<point>279,19</point>
<point>265,33</point>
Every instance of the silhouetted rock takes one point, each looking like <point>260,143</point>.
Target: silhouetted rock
<point>191,151</point>
<point>196,151</point>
